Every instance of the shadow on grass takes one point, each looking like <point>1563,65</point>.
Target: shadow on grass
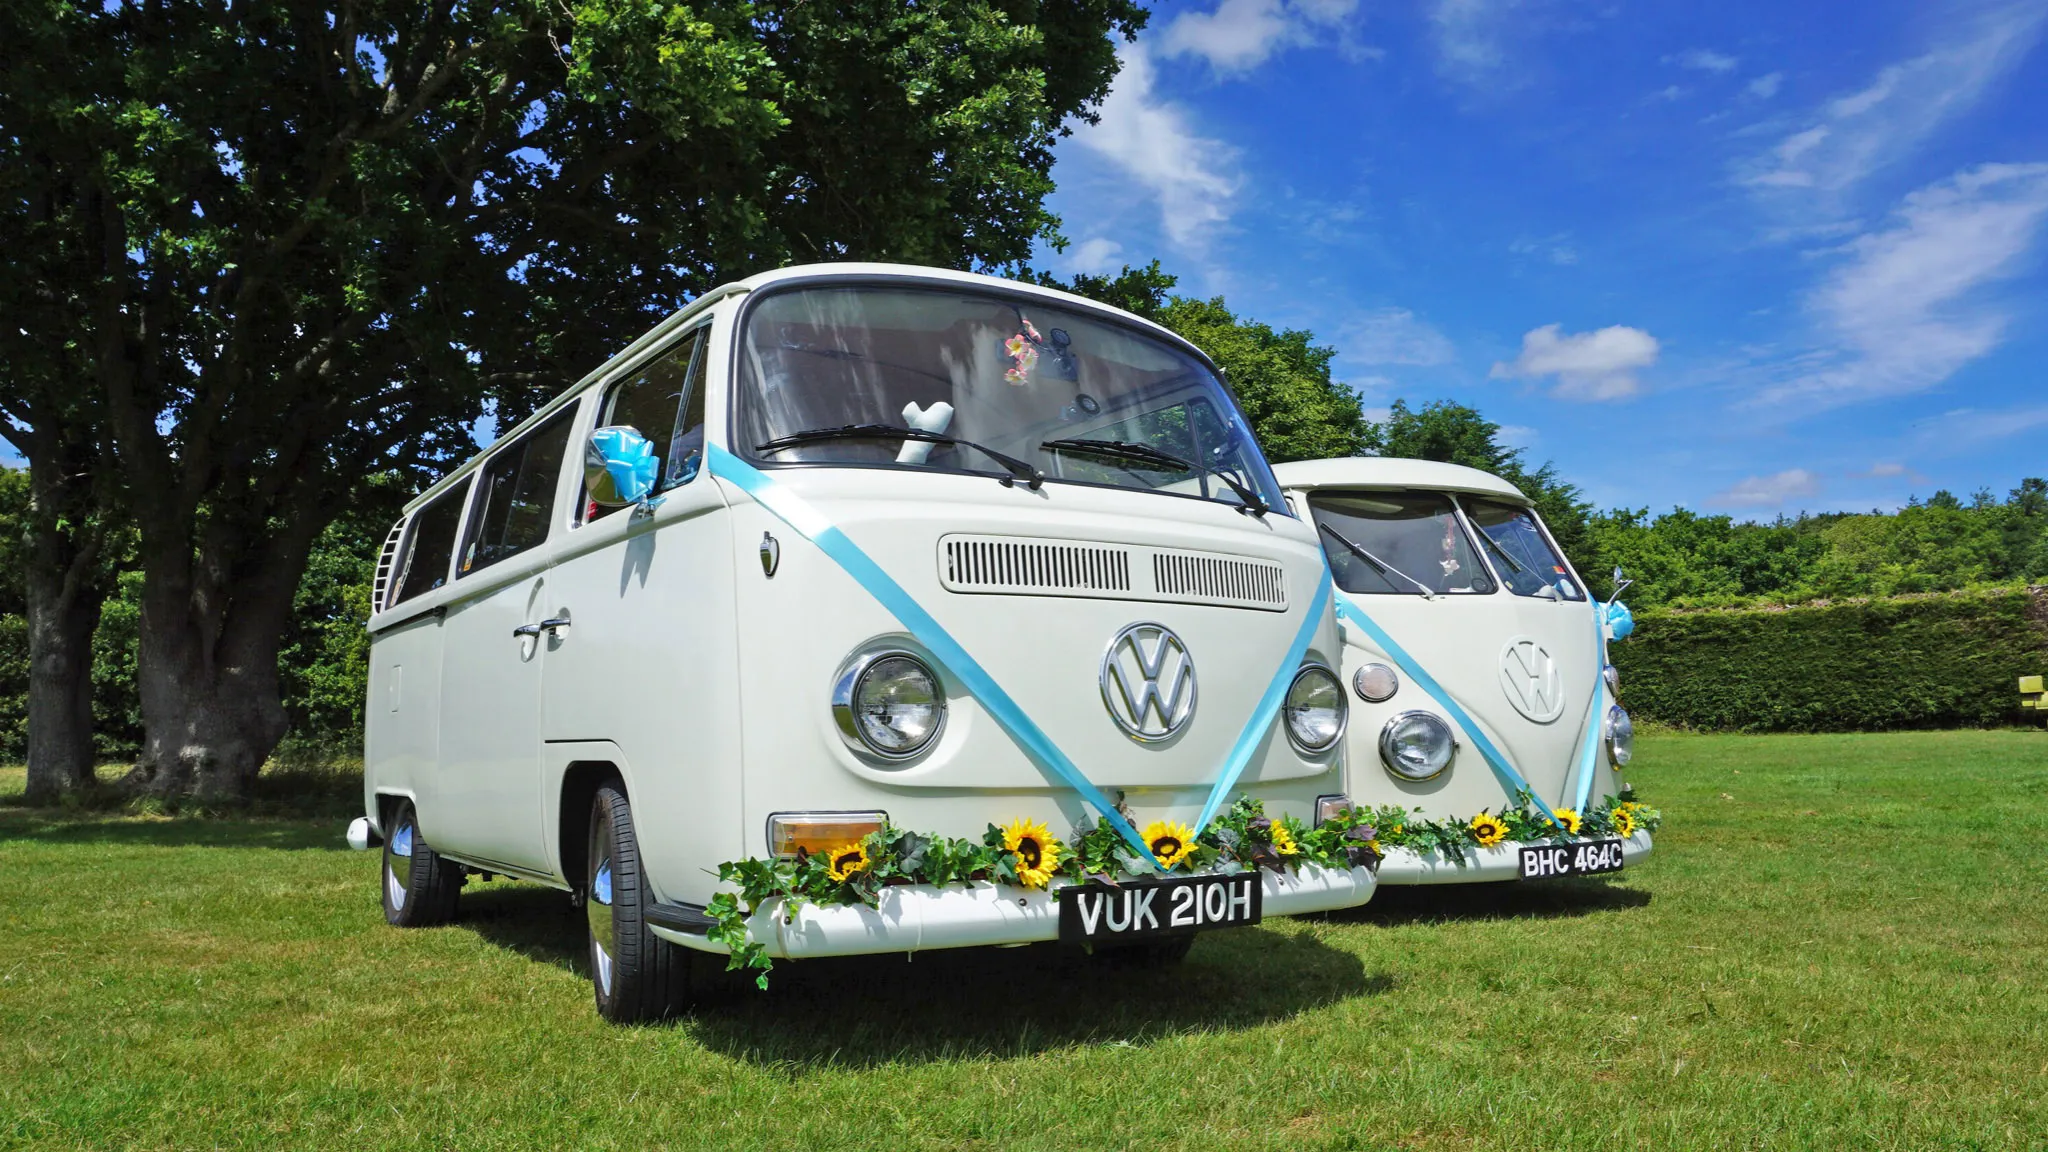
<point>56,826</point>
<point>963,1003</point>
<point>1505,900</point>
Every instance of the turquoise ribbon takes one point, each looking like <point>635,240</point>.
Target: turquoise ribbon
<point>812,525</point>
<point>1269,705</point>
<point>1503,768</point>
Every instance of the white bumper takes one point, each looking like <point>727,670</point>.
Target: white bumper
<point>914,917</point>
<point>1500,862</point>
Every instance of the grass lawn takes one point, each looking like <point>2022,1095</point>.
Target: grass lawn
<point>1840,943</point>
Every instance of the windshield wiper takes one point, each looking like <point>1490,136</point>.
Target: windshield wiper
<point>1383,567</point>
<point>1122,450</point>
<point>1500,551</point>
<point>1018,469</point>
<point>1146,454</point>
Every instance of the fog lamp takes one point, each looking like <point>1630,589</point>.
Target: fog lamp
<point>1376,683</point>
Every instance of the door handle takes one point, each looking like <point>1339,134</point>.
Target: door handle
<point>548,626</point>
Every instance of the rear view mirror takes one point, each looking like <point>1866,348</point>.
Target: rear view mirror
<point>619,466</point>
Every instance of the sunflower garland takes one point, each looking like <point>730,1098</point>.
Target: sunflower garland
<point>1025,854</point>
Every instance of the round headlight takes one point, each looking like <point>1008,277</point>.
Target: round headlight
<point>1621,737</point>
<point>1315,709</point>
<point>1612,676</point>
<point>1375,683</point>
<point>1416,745</point>
<point>889,704</point>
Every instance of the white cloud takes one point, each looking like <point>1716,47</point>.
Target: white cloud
<point>1703,60</point>
<point>1240,35</point>
<point>1394,336</point>
<point>1772,491</point>
<point>1599,365</point>
<point>1880,471</point>
<point>1153,141</point>
<point>1096,255</point>
<point>1556,249</point>
<point>1904,309</point>
<point>1853,135</point>
<point>1766,86</point>
<point>1468,36</point>
<point>1963,429</point>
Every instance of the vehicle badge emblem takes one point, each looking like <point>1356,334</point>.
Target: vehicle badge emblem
<point>771,554</point>
<point>1530,679</point>
<point>1148,682</point>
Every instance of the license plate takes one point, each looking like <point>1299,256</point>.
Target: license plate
<point>1091,913</point>
<point>1587,858</point>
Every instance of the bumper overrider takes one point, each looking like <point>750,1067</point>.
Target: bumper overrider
<point>916,917</point>
<point>1500,862</point>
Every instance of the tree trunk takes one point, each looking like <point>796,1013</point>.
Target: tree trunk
<point>60,628</point>
<point>206,670</point>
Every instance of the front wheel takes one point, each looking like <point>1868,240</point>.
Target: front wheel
<point>420,886</point>
<point>635,974</point>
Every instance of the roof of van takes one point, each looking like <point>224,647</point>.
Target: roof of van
<point>1391,472</point>
<point>848,270</point>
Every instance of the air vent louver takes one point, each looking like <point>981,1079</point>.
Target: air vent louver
<point>1024,566</point>
<point>996,565</point>
<point>1199,577</point>
<point>385,559</point>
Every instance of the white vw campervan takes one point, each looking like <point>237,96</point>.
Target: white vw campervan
<point>857,609</point>
<point>1487,734</point>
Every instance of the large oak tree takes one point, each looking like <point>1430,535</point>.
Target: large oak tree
<point>268,248</point>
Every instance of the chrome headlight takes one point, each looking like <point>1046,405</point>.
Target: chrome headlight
<point>1315,709</point>
<point>1375,683</point>
<point>889,704</point>
<point>1612,677</point>
<point>1417,745</point>
<point>1621,737</point>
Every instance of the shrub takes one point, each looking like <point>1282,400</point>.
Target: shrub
<point>1939,660</point>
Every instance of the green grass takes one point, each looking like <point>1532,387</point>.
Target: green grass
<point>1840,943</point>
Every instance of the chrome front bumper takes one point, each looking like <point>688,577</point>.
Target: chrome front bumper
<point>916,917</point>
<point>1500,862</point>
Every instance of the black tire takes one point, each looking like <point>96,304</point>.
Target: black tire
<point>1159,952</point>
<point>635,975</point>
<point>420,886</point>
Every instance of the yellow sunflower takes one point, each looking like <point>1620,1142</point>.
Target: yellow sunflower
<point>1488,829</point>
<point>1568,818</point>
<point>1623,820</point>
<point>1038,854</point>
<point>1170,842</point>
<point>1283,840</point>
<point>847,859</point>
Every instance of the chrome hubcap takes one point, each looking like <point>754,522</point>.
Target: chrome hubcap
<point>598,908</point>
<point>401,850</point>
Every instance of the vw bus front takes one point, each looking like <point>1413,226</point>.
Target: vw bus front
<point>1487,735</point>
<point>1023,630</point>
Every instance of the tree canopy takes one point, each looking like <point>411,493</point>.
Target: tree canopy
<point>262,250</point>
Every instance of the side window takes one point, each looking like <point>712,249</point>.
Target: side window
<point>657,403</point>
<point>429,544</point>
<point>516,502</point>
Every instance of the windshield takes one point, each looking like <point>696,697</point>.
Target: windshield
<point>987,377</point>
<point>1526,562</point>
<point>1397,543</point>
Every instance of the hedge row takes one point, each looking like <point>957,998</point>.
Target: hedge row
<point>1935,661</point>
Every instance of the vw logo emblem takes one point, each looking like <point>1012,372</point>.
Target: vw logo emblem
<point>1148,682</point>
<point>1529,678</point>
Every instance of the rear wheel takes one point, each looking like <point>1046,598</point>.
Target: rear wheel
<point>635,974</point>
<point>420,887</point>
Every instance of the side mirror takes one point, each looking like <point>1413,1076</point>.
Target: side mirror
<point>619,466</point>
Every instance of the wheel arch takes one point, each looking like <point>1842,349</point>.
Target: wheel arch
<point>580,781</point>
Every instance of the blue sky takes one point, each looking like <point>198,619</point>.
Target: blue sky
<point>1746,258</point>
